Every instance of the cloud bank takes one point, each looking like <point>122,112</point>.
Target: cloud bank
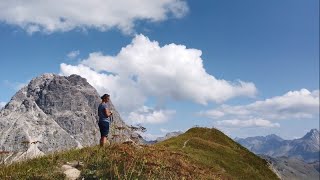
<point>65,15</point>
<point>247,123</point>
<point>149,115</point>
<point>144,69</point>
<point>301,104</point>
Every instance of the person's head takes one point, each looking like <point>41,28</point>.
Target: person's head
<point>105,98</point>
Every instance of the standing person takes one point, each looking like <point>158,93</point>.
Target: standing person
<point>104,113</point>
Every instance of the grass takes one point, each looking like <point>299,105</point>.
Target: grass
<point>211,148</point>
<point>208,154</point>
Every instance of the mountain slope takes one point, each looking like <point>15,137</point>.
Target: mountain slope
<point>306,148</point>
<point>200,153</point>
<point>52,113</point>
<point>263,145</point>
<point>292,168</point>
<point>211,148</point>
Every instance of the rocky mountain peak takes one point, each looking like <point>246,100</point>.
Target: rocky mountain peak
<point>312,135</point>
<point>53,113</point>
<point>273,137</point>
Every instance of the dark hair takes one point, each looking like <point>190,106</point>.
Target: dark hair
<point>105,96</point>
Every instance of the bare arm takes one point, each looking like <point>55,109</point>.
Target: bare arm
<point>108,112</point>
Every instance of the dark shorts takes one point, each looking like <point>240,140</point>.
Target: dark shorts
<point>104,128</point>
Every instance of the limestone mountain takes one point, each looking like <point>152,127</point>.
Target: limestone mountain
<point>54,113</point>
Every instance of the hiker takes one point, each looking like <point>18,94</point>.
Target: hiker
<point>104,113</point>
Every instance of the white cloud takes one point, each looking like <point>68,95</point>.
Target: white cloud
<point>292,105</point>
<point>144,69</point>
<point>73,54</point>
<point>172,71</point>
<point>148,115</point>
<point>247,123</point>
<point>2,104</point>
<point>65,15</point>
<point>124,93</point>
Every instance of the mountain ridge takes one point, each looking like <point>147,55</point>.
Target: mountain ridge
<point>199,153</point>
<point>306,147</point>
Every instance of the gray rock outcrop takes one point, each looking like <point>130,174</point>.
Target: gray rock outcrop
<point>54,113</point>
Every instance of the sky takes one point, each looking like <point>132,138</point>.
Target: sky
<point>248,68</point>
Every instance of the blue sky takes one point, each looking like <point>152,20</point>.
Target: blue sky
<point>271,44</point>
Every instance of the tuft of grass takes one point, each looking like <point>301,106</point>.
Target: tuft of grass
<point>208,154</point>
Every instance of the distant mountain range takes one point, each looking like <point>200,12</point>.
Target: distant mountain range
<point>290,159</point>
<point>292,168</point>
<point>305,148</point>
<point>169,135</point>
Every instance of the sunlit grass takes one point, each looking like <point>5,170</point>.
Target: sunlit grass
<point>208,154</point>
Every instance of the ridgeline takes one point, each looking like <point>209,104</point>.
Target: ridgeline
<point>200,153</point>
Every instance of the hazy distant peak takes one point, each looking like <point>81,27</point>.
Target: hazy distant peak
<point>313,134</point>
<point>273,137</point>
<point>306,148</point>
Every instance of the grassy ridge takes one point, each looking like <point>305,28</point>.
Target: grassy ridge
<point>208,154</point>
<point>114,162</point>
<point>211,148</point>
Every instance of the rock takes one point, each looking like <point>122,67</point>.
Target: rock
<point>75,164</point>
<point>53,113</point>
<point>70,172</point>
<point>66,167</point>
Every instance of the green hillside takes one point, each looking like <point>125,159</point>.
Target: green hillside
<point>210,148</point>
<point>200,153</point>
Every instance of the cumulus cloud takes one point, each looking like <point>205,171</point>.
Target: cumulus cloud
<point>144,69</point>
<point>247,123</point>
<point>73,54</point>
<point>292,105</point>
<point>65,15</point>
<point>148,115</point>
<point>124,93</point>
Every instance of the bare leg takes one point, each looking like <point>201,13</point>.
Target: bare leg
<point>103,141</point>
